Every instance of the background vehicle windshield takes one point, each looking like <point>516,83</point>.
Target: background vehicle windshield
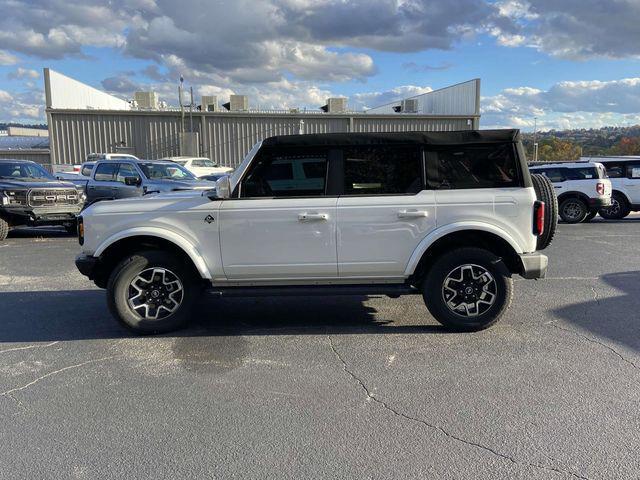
<point>24,171</point>
<point>165,171</point>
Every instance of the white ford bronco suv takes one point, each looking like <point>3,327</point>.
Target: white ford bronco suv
<point>448,215</point>
<point>582,188</point>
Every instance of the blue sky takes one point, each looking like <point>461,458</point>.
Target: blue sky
<point>571,64</point>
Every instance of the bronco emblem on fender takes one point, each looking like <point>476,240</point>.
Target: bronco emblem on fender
<point>209,219</point>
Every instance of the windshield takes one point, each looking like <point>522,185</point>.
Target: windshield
<point>165,171</point>
<point>24,171</point>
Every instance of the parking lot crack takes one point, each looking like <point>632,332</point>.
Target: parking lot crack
<point>9,393</point>
<point>371,396</point>
<point>29,347</point>
<point>596,298</point>
<point>597,342</point>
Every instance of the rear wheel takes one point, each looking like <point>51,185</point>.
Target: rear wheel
<point>618,209</point>
<point>4,230</point>
<point>152,292</point>
<point>546,193</point>
<point>573,210</point>
<point>468,289</point>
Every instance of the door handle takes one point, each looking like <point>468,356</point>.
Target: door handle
<point>310,217</point>
<point>412,214</point>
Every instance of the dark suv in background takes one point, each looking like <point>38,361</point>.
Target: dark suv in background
<point>29,195</point>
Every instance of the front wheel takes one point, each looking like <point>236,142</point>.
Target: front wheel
<point>573,210</point>
<point>468,289</point>
<point>4,230</point>
<point>152,292</point>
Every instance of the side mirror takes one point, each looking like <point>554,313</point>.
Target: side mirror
<point>223,187</point>
<point>132,181</point>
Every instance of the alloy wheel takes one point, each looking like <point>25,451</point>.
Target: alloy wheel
<point>469,290</point>
<point>155,293</point>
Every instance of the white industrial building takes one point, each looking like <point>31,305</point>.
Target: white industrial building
<point>83,120</point>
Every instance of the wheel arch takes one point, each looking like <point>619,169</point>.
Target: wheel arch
<point>575,194</point>
<point>485,236</point>
<point>624,195</point>
<point>114,249</point>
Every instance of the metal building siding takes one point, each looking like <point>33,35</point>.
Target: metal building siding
<point>224,137</point>
<point>35,155</point>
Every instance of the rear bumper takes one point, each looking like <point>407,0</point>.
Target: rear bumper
<point>599,202</point>
<point>87,265</point>
<point>534,265</point>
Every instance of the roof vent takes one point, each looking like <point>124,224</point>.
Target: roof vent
<point>209,103</point>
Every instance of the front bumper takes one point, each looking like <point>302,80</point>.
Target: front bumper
<point>87,265</point>
<point>600,202</point>
<point>534,265</point>
<point>37,216</point>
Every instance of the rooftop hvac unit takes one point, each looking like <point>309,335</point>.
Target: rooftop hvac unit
<point>146,100</point>
<point>409,105</point>
<point>209,103</point>
<point>335,105</point>
<point>237,103</point>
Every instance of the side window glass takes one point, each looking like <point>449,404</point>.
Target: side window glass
<point>106,172</point>
<point>292,174</point>
<point>126,170</point>
<point>634,171</point>
<point>382,170</point>
<point>490,166</point>
<point>615,170</point>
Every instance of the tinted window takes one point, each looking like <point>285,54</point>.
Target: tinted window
<point>287,175</point>
<point>555,174</point>
<point>23,171</point>
<point>106,172</point>
<point>86,170</point>
<point>615,170</point>
<point>380,170</point>
<point>126,170</point>
<point>633,171</point>
<point>472,167</point>
<point>583,173</point>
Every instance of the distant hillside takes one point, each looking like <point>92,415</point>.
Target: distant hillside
<point>4,126</point>
<point>556,145</point>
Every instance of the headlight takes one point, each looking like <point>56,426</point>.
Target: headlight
<point>11,197</point>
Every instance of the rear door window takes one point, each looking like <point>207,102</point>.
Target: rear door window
<point>382,170</point>
<point>633,171</point>
<point>482,166</point>
<point>582,173</point>
<point>615,170</point>
<point>106,172</point>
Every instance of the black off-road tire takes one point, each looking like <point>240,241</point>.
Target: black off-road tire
<point>618,210</point>
<point>119,291</point>
<point>4,230</point>
<point>573,210</point>
<point>546,193</point>
<point>590,216</point>
<point>434,290</point>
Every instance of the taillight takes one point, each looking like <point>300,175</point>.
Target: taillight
<point>600,188</point>
<point>538,218</point>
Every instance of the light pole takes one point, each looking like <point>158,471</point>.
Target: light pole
<point>535,139</point>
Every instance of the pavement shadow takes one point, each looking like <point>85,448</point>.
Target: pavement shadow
<point>616,318</point>
<point>82,314</point>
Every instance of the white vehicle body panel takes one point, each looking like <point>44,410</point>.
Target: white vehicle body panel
<point>587,186</point>
<point>629,184</point>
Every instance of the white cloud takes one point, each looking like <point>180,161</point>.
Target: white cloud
<point>566,105</point>
<point>23,73</point>
<point>7,59</point>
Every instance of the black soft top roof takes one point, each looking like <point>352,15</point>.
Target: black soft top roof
<point>461,137</point>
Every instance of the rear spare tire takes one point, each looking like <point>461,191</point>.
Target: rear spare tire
<point>545,193</point>
<point>152,292</point>
<point>468,289</point>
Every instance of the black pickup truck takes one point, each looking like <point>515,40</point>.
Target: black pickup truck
<point>29,195</point>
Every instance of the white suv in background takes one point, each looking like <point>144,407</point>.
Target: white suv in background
<point>450,216</point>
<point>200,166</point>
<point>624,173</point>
<point>582,188</point>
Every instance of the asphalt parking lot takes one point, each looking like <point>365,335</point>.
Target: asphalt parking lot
<point>344,387</point>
